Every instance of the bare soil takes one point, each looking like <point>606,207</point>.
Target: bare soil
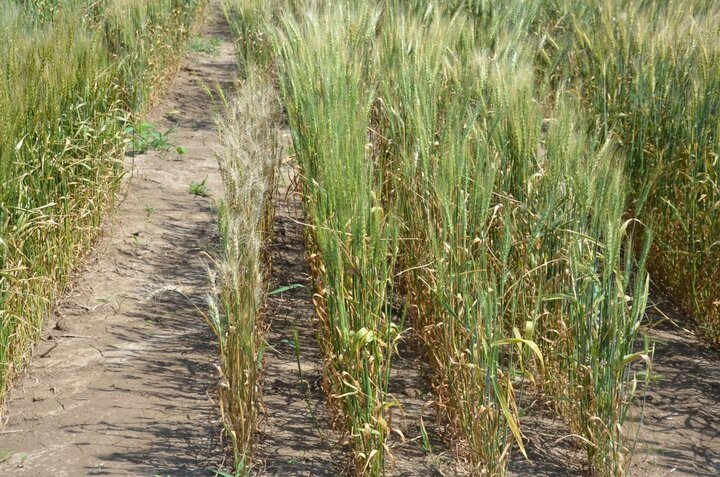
<point>413,453</point>
<point>296,435</point>
<point>680,432</point>
<point>123,378</point>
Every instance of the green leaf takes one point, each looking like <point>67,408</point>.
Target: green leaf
<point>285,288</point>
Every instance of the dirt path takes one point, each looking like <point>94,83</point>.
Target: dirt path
<point>680,433</point>
<point>121,380</point>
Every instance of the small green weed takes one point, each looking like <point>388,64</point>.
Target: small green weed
<point>210,46</point>
<point>427,447</point>
<point>199,188</point>
<point>145,137</point>
<point>5,455</point>
<point>240,470</point>
<point>180,151</point>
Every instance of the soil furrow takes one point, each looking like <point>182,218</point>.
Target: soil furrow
<point>680,431</point>
<point>295,436</point>
<point>418,448</point>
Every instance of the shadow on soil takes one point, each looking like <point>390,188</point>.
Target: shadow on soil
<point>295,436</point>
<point>173,328</point>
<point>680,433</point>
